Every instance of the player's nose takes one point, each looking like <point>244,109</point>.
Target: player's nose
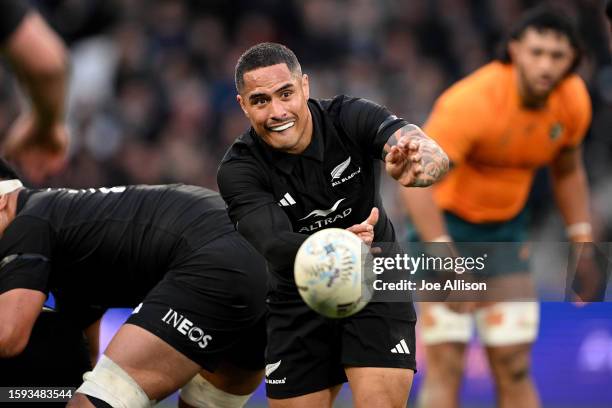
<point>277,110</point>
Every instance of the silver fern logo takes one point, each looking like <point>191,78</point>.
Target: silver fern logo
<point>270,368</point>
<point>324,213</point>
<point>336,173</point>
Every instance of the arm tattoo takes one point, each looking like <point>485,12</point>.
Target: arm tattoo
<point>434,162</point>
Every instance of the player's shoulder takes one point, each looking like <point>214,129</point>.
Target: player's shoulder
<point>487,79</point>
<point>573,94</point>
<point>480,88</point>
<point>244,159</point>
<point>243,147</point>
<point>343,104</point>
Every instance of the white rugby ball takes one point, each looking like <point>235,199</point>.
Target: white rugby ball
<point>328,272</point>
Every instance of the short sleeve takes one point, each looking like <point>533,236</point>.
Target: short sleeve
<point>371,124</point>
<point>11,15</point>
<point>456,122</point>
<point>25,252</point>
<point>579,111</point>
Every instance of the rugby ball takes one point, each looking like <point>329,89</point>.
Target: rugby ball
<point>329,269</point>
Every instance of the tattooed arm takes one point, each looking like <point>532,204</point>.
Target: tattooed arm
<point>413,159</point>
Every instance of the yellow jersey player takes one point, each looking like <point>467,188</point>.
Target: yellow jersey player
<point>498,126</point>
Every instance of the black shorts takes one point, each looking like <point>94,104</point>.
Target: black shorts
<point>307,352</point>
<point>211,305</point>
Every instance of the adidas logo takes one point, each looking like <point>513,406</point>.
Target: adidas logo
<point>286,201</point>
<point>401,348</point>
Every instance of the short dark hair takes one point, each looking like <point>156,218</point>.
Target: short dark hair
<point>6,171</point>
<point>543,18</point>
<point>609,9</point>
<point>264,55</point>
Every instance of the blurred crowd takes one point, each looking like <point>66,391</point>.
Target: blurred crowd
<point>152,98</point>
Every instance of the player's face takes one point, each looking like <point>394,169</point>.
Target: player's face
<point>275,101</point>
<point>542,59</point>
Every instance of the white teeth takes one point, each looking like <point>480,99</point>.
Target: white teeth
<point>283,127</point>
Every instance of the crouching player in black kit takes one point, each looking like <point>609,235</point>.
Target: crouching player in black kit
<point>308,164</point>
<point>173,249</point>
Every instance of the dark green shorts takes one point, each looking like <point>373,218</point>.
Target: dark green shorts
<point>502,242</point>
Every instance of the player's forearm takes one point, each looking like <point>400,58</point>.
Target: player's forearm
<point>41,63</point>
<point>424,213</point>
<point>414,159</point>
<point>271,235</point>
<point>572,196</point>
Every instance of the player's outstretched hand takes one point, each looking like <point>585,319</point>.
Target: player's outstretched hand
<point>416,160</point>
<point>365,230</point>
<point>38,150</point>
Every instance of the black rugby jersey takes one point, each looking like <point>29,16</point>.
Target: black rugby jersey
<point>11,15</point>
<point>277,199</point>
<point>112,245</point>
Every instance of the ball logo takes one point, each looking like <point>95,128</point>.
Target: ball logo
<point>328,272</point>
<point>186,328</point>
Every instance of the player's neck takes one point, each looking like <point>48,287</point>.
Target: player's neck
<point>528,99</point>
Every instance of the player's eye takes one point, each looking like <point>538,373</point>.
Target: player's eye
<point>557,55</point>
<point>536,52</point>
<point>286,94</point>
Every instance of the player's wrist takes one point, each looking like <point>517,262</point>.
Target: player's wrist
<point>442,238</point>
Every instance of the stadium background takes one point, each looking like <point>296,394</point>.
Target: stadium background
<point>152,101</point>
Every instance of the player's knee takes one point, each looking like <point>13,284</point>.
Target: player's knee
<point>200,393</point>
<point>111,385</point>
<point>513,368</point>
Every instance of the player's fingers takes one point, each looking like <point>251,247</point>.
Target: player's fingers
<point>373,217</point>
<point>359,228</point>
<point>375,250</point>
<point>366,237</point>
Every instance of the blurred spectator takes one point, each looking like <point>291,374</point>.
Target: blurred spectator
<point>152,97</point>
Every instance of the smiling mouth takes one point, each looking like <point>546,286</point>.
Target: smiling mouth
<point>282,127</point>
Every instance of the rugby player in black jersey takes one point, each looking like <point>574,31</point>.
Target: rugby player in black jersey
<point>308,164</point>
<point>172,252</point>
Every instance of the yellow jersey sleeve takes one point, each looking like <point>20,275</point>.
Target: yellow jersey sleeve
<point>457,121</point>
<point>579,111</point>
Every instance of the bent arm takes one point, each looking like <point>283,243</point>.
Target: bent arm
<point>571,190</point>
<point>424,214</point>
<point>414,159</point>
<point>40,61</point>
<point>19,309</point>
<point>269,230</point>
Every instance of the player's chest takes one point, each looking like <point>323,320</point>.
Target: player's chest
<point>317,195</point>
<point>524,139</point>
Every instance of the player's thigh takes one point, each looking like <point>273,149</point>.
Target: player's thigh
<point>380,386</point>
<point>323,399</point>
<point>158,368</point>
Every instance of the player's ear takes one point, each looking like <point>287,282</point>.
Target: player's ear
<point>3,201</point>
<point>305,86</point>
<point>241,103</point>
<point>513,47</point>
